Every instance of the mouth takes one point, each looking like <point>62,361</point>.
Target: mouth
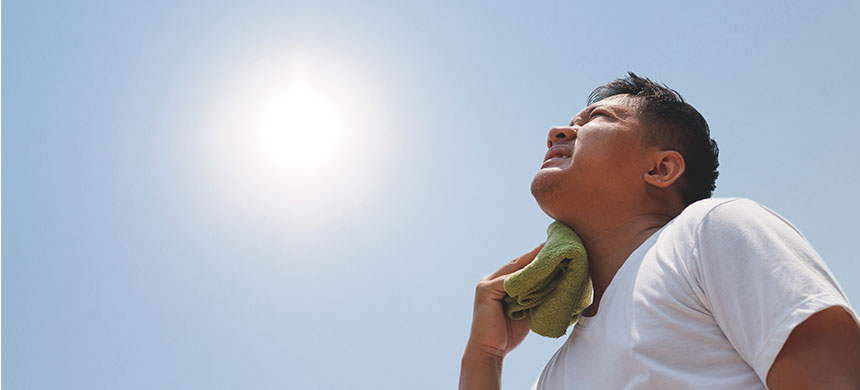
<point>557,153</point>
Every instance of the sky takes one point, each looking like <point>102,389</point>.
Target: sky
<point>303,195</point>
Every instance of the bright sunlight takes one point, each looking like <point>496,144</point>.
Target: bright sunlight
<point>296,137</point>
<point>299,131</point>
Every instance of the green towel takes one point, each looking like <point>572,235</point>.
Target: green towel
<point>554,288</point>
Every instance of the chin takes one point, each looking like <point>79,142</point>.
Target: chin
<point>545,192</point>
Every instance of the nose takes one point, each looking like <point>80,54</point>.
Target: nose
<point>560,134</point>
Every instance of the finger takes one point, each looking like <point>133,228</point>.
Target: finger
<point>516,264</point>
<point>491,289</point>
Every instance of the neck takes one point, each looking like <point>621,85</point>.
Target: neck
<point>609,247</point>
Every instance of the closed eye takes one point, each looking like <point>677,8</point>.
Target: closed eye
<point>596,114</point>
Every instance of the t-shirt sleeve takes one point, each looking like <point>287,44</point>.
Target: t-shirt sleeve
<point>760,278</point>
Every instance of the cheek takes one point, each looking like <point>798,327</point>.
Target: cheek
<point>602,168</point>
<point>588,156</point>
<point>608,150</point>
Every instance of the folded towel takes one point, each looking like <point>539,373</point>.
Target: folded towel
<point>554,288</point>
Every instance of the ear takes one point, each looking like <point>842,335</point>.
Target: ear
<point>667,168</point>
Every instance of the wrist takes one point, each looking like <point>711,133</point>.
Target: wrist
<point>480,370</point>
<point>483,355</point>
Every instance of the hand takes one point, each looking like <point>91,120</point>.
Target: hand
<point>493,333</point>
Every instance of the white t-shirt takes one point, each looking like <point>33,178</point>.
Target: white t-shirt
<point>707,302</point>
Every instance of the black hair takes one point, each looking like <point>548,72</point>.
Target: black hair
<point>672,124</point>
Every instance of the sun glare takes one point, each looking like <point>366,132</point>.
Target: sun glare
<point>296,129</point>
<point>296,137</point>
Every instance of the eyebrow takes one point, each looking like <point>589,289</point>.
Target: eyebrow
<point>611,109</point>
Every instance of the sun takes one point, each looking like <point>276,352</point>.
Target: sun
<point>299,131</point>
<point>296,138</point>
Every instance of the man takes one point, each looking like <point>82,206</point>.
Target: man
<point>689,292</point>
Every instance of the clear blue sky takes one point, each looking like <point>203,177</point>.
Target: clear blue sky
<point>165,225</point>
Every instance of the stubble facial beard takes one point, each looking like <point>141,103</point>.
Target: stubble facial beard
<point>546,191</point>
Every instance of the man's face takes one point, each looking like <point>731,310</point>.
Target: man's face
<point>598,160</point>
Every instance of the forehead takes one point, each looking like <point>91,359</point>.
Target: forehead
<point>623,106</point>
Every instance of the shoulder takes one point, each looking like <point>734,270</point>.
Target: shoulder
<point>734,229</point>
<point>720,207</point>
<point>733,214</point>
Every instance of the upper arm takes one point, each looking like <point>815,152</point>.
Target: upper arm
<point>823,352</point>
<point>761,280</point>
